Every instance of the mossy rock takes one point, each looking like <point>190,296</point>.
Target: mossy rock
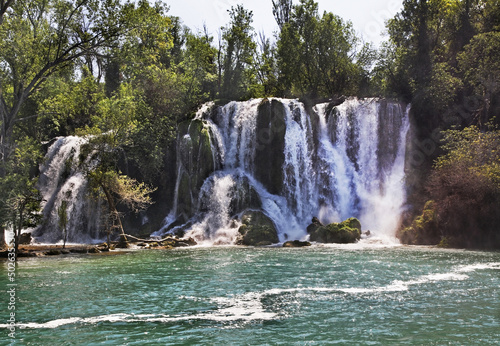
<point>296,243</point>
<point>257,229</point>
<point>169,243</point>
<point>424,230</point>
<point>315,224</point>
<point>345,232</point>
<point>196,160</point>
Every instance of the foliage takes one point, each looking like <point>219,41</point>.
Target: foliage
<point>465,186</point>
<point>239,51</point>
<point>20,202</point>
<point>41,38</point>
<point>316,54</point>
<point>112,130</point>
<point>480,65</point>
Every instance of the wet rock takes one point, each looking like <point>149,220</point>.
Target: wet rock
<point>270,149</point>
<point>25,239</point>
<point>314,225</point>
<point>348,231</point>
<point>257,229</point>
<point>296,243</point>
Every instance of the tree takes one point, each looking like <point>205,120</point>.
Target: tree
<point>62,213</point>
<point>465,185</point>
<point>316,54</point>
<point>20,202</point>
<point>480,65</point>
<point>282,10</point>
<point>238,55</point>
<point>41,37</point>
<point>112,130</point>
<point>266,67</point>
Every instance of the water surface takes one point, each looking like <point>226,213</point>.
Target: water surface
<point>252,296</point>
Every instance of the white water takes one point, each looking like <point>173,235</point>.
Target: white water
<point>351,166</point>
<point>62,180</point>
<point>340,163</point>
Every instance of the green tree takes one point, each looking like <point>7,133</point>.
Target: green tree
<point>316,55</point>
<point>239,52</point>
<point>465,184</point>
<point>480,65</point>
<point>20,202</point>
<point>266,68</point>
<point>112,131</point>
<point>39,38</point>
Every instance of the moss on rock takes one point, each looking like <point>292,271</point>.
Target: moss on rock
<point>348,231</point>
<point>257,229</point>
<point>424,229</point>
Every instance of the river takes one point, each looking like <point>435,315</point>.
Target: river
<point>364,294</point>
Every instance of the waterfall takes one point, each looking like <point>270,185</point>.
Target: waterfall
<point>62,180</point>
<point>286,160</point>
<point>292,163</point>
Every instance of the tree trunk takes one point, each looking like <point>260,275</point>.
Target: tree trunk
<point>2,238</point>
<point>116,216</point>
<point>65,237</point>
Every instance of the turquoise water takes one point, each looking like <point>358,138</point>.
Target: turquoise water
<point>344,295</point>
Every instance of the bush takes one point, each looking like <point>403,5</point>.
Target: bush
<point>465,185</point>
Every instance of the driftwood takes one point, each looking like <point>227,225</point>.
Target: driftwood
<point>149,240</point>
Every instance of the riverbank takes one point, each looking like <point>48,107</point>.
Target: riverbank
<point>40,250</point>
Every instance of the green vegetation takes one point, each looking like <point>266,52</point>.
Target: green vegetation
<point>345,232</point>
<point>126,74</point>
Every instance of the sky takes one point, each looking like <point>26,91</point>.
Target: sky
<point>368,16</point>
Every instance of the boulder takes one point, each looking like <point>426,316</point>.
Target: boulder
<point>296,243</point>
<point>25,239</point>
<point>314,225</point>
<point>424,230</point>
<point>257,229</point>
<point>348,231</point>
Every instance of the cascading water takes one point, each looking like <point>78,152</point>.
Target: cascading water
<point>355,181</point>
<point>61,180</point>
<point>292,164</point>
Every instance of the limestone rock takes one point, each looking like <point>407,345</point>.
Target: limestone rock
<point>257,229</point>
<point>296,243</point>
<point>348,231</point>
